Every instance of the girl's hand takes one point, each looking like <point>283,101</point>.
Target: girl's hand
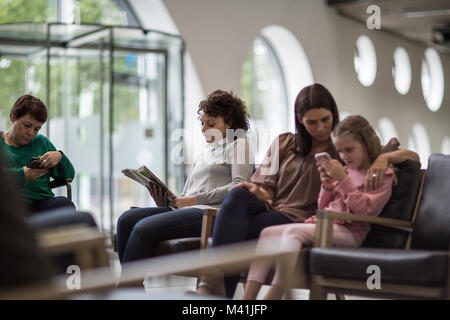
<point>334,169</point>
<point>158,194</point>
<point>375,174</point>
<point>327,181</point>
<point>50,159</point>
<point>185,202</point>
<point>33,174</point>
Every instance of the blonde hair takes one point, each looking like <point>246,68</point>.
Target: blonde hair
<point>362,131</point>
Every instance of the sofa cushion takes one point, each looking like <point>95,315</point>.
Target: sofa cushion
<point>413,267</point>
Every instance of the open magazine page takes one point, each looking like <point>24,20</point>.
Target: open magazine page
<point>144,177</point>
<point>144,171</point>
<point>134,175</point>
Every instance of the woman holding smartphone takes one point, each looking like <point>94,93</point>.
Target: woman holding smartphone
<point>286,186</point>
<point>22,143</point>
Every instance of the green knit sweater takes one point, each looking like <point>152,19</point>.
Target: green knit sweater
<point>18,157</point>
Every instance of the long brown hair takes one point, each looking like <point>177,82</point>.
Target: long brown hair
<point>314,96</point>
<point>362,131</point>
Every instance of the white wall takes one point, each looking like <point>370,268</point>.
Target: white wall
<point>219,34</point>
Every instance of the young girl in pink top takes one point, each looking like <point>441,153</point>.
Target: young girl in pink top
<point>342,190</point>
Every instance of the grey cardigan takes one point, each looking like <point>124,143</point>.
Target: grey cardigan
<point>217,169</point>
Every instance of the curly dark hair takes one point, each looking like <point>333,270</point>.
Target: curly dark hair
<point>225,104</point>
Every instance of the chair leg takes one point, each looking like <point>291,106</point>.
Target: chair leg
<point>316,292</point>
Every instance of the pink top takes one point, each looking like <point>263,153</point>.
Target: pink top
<point>350,196</point>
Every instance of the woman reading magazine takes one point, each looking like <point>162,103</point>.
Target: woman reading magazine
<point>226,162</point>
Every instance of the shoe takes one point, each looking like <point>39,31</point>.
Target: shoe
<point>211,283</point>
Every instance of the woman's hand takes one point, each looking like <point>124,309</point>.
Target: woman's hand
<point>50,159</point>
<point>158,194</point>
<point>255,189</point>
<point>185,202</point>
<point>375,174</point>
<point>327,181</point>
<point>33,174</point>
<point>334,169</point>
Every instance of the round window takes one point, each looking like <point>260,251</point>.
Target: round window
<point>432,80</point>
<point>365,61</point>
<point>401,71</point>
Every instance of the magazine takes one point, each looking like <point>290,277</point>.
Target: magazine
<point>144,176</point>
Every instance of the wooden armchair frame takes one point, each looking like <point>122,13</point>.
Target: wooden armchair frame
<point>230,258</point>
<point>59,182</point>
<point>86,243</point>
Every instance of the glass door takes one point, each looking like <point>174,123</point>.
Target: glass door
<point>139,124</point>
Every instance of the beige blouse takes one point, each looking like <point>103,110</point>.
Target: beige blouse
<point>294,178</point>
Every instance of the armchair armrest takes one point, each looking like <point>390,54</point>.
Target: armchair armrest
<point>59,182</point>
<point>86,243</point>
<point>208,218</point>
<point>325,218</point>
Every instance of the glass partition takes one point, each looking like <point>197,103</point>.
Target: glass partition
<point>114,94</point>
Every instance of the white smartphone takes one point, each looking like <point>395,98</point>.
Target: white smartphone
<point>322,155</point>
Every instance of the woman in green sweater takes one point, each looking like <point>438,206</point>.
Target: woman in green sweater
<point>21,143</point>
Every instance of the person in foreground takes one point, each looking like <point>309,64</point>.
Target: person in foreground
<point>227,161</point>
<point>21,143</point>
<point>342,190</point>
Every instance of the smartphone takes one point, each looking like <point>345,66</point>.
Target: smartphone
<point>322,155</point>
<point>34,163</point>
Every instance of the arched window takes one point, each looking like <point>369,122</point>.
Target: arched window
<point>275,70</point>
<point>264,86</point>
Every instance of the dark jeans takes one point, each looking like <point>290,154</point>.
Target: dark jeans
<point>50,204</point>
<point>242,217</point>
<point>140,229</point>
